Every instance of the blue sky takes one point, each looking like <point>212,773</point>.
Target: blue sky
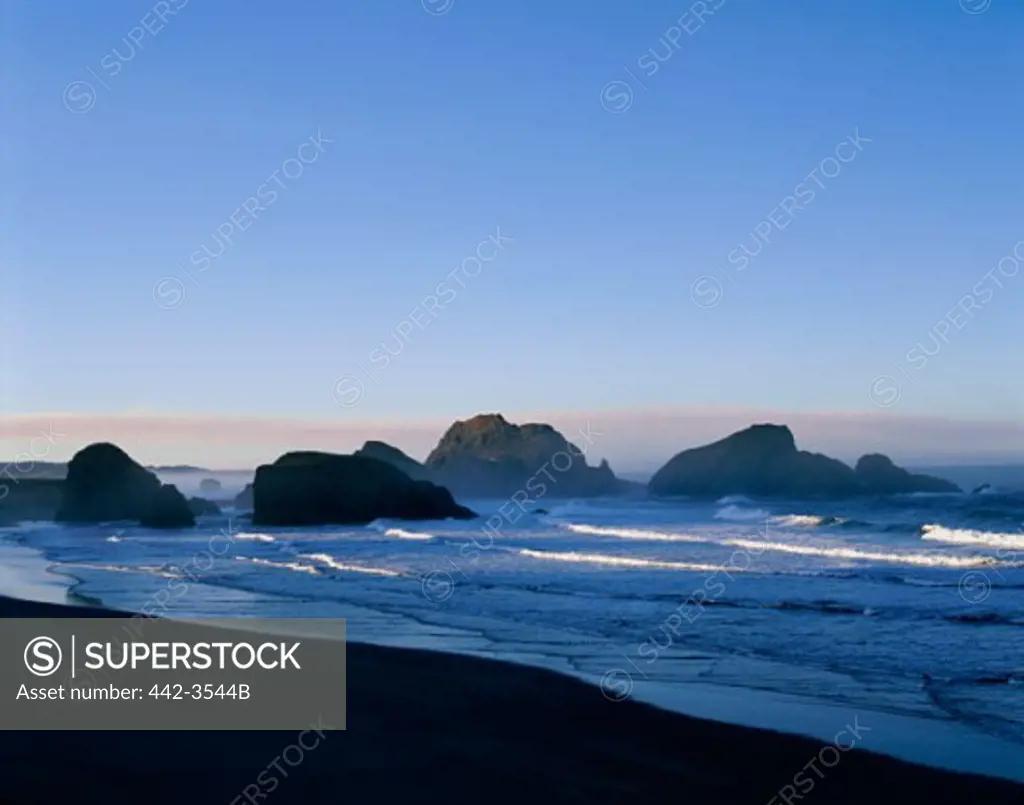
<point>438,130</point>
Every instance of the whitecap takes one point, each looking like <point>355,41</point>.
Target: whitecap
<point>624,561</point>
<point>296,566</point>
<point>402,534</point>
<point>801,520</point>
<point>740,514</point>
<point>631,533</point>
<point>334,564</point>
<point>254,537</point>
<point>920,559</point>
<point>963,536</point>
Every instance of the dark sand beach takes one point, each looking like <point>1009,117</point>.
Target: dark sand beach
<point>433,727</point>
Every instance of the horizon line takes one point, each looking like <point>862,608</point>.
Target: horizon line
<point>633,439</point>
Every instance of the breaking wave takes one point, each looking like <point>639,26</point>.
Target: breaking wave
<point>624,561</point>
<point>296,566</point>
<point>740,514</point>
<point>334,564</point>
<point>978,539</point>
<point>631,533</point>
<point>812,520</point>
<point>254,537</point>
<point>919,559</point>
<point>758,546</point>
<point>402,534</point>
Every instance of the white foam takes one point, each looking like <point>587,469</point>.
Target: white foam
<point>799,520</point>
<point>962,536</point>
<point>919,559</point>
<point>740,514</point>
<point>402,534</point>
<point>334,564</point>
<point>624,561</point>
<point>297,566</point>
<point>733,499</point>
<point>254,537</point>
<point>631,533</point>
<point>572,507</point>
<point>114,538</point>
<point>759,546</point>
<point>147,569</point>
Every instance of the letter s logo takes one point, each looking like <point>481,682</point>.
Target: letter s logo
<point>43,656</point>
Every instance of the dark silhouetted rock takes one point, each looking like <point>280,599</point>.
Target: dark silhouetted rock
<point>763,460</point>
<point>201,507</point>
<point>243,500</point>
<point>879,474</point>
<point>29,498</point>
<point>487,456</point>
<point>982,489</point>
<point>209,486</point>
<point>382,451</point>
<point>103,483</point>
<point>167,509</point>
<point>309,488</point>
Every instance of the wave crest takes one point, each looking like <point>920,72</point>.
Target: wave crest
<point>625,561</point>
<point>919,559</point>
<point>803,520</point>
<point>933,532</point>
<point>740,514</point>
<point>402,534</point>
<point>254,537</point>
<point>296,566</point>
<point>631,533</point>
<point>334,564</point>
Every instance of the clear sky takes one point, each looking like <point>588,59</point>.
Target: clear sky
<point>381,146</point>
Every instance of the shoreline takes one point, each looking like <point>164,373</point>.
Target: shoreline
<point>458,728</point>
<point>951,746</point>
<point>27,574</point>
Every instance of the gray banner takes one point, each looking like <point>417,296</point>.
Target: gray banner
<point>156,674</point>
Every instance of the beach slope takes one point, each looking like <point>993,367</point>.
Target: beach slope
<point>431,727</point>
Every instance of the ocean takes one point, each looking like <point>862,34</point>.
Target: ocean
<point>908,610</point>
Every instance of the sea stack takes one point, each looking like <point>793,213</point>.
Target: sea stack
<point>104,484</point>
<point>382,451</point>
<point>763,460</point>
<point>487,456</point>
<point>308,488</point>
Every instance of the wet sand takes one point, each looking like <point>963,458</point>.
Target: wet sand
<point>433,727</point>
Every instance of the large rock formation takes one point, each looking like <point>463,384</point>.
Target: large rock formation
<point>167,508</point>
<point>201,507</point>
<point>878,473</point>
<point>382,451</point>
<point>487,456</point>
<point>309,488</point>
<point>763,460</point>
<point>103,483</point>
